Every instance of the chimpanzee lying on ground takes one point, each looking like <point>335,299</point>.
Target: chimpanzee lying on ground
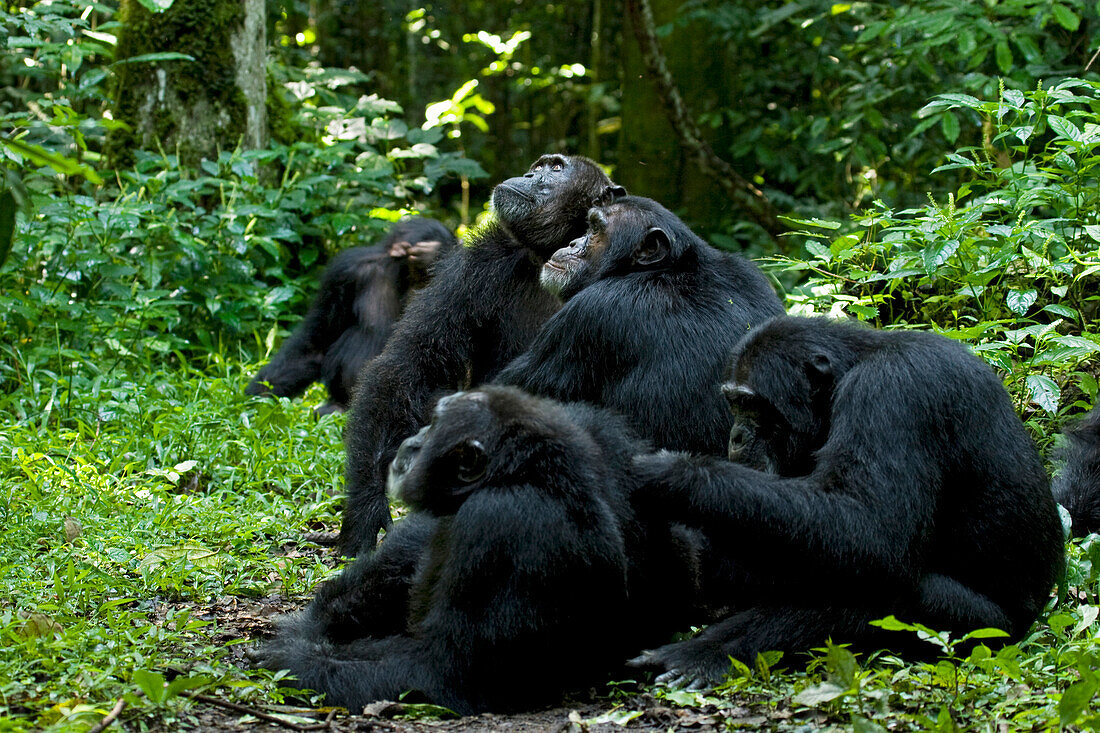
<point>886,474</point>
<point>1077,487</point>
<point>480,311</point>
<point>363,293</point>
<point>652,314</point>
<point>520,574</point>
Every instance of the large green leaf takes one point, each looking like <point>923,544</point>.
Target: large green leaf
<point>7,224</point>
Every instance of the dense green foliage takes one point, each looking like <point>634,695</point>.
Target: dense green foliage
<point>939,164</point>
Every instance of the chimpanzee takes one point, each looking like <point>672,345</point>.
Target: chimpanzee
<point>481,310</point>
<point>900,482</point>
<point>520,574</point>
<point>1077,487</point>
<point>649,333</point>
<point>363,292</point>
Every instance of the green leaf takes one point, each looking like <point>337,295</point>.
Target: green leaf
<point>950,125</point>
<point>985,634</point>
<point>842,665</point>
<point>1065,129</point>
<point>40,156</point>
<point>1074,701</point>
<point>1066,17</point>
<point>159,56</point>
<point>1004,56</point>
<point>7,224</point>
<point>935,256</point>
<point>1020,300</point>
<point>818,694</point>
<point>151,683</point>
<point>891,623</point>
<point>1044,392</point>
<point>814,222</point>
<point>863,725</point>
<point>156,6</point>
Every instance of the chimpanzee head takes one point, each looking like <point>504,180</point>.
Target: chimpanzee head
<point>545,208</point>
<point>780,383</point>
<point>635,234</point>
<point>490,437</point>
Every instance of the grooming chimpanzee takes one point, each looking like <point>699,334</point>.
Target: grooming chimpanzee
<point>899,481</point>
<point>510,581</point>
<point>1077,487</point>
<point>363,293</point>
<point>650,330</point>
<point>480,311</point>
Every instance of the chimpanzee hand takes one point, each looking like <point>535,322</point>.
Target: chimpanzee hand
<point>660,475</point>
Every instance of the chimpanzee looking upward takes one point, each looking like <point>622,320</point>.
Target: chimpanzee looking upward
<point>509,582</point>
<point>1077,487</point>
<point>363,292</point>
<point>480,311</point>
<point>902,483</point>
<point>649,332</point>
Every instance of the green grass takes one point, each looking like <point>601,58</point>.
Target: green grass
<point>130,502</point>
<point>121,504</point>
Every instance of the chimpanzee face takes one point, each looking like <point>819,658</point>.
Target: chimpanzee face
<point>483,439</point>
<point>546,207</point>
<point>438,468</point>
<point>780,395</point>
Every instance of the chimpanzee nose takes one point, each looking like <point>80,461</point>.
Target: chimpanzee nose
<point>407,452</point>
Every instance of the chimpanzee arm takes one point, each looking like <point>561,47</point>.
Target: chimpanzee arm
<point>863,512</point>
<point>299,361</point>
<point>429,353</point>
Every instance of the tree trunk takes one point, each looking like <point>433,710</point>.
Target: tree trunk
<point>691,175</point>
<point>194,108</point>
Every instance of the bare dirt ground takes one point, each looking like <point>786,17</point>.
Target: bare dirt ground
<point>235,619</point>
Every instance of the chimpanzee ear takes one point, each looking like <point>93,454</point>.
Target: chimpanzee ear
<point>653,248</point>
<point>819,368</point>
<point>609,194</point>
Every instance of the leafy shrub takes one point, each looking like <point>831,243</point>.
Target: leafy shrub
<point>1009,261</point>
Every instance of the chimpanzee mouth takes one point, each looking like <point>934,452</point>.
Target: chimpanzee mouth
<point>517,192</point>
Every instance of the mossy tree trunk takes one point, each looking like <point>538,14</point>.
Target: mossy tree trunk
<point>193,108</point>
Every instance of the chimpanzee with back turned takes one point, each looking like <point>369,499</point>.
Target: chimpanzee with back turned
<point>1077,487</point>
<point>363,292</point>
<point>882,472</point>
<point>651,315</point>
<point>480,311</point>
<point>520,574</point>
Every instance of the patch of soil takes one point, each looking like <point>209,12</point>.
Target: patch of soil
<point>586,717</point>
<point>234,619</point>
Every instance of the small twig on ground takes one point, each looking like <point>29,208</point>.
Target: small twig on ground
<point>325,539</point>
<point>110,718</point>
<point>244,709</point>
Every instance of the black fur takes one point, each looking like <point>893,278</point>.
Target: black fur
<point>363,292</point>
<point>651,327</point>
<point>906,485</point>
<point>1077,487</point>
<point>481,310</point>
<point>520,574</point>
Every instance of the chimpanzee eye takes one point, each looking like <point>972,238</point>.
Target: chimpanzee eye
<point>471,461</point>
<point>556,167</point>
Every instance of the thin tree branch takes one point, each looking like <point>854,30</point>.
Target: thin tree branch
<point>259,713</point>
<point>110,718</point>
<point>742,192</point>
